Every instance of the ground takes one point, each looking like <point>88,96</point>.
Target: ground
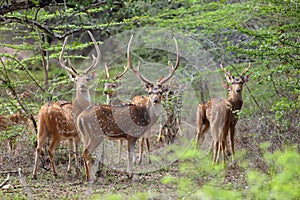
<point>113,183</point>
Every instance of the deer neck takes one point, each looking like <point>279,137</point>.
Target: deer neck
<point>236,100</point>
<point>113,99</point>
<point>81,101</point>
<point>108,99</point>
<point>154,111</point>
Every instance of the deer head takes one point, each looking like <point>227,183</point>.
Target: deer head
<point>154,89</point>
<point>235,85</point>
<point>112,84</point>
<point>81,79</point>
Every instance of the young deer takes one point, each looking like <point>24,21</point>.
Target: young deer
<point>7,122</point>
<point>126,121</point>
<point>57,119</point>
<point>221,115</point>
<point>112,99</point>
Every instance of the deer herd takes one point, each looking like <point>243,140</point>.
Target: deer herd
<point>82,121</point>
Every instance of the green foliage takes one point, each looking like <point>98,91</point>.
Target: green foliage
<point>282,109</point>
<point>281,180</point>
<point>201,180</point>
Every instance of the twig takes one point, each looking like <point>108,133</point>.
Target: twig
<point>8,172</point>
<point>23,182</point>
<point>5,181</point>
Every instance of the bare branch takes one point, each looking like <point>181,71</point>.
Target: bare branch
<point>5,181</point>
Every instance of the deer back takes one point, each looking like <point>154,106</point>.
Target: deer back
<point>58,118</point>
<point>219,113</point>
<point>117,121</point>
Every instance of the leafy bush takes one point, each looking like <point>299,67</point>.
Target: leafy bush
<point>201,180</point>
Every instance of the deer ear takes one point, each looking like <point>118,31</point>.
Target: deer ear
<point>92,75</point>
<point>147,87</point>
<point>246,78</point>
<point>229,78</point>
<point>72,77</point>
<point>226,86</point>
<point>165,88</point>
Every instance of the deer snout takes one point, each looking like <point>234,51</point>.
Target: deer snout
<point>156,100</point>
<point>82,85</point>
<point>238,90</point>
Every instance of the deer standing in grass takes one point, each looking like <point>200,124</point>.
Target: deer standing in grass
<point>126,121</point>
<point>112,99</point>
<point>57,119</point>
<point>221,115</point>
<point>7,122</point>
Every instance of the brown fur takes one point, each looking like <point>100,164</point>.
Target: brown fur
<point>56,122</point>
<point>220,115</point>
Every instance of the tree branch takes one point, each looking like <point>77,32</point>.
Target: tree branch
<point>45,28</point>
<point>5,181</point>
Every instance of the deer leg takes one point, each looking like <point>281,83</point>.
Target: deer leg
<point>76,142</point>
<point>218,151</point>
<point>202,124</point>
<point>232,130</point>
<point>54,143</point>
<point>199,127</point>
<point>148,149</point>
<point>141,140</point>
<point>87,151</point>
<point>41,139</point>
<point>130,148</point>
<point>120,150</point>
<point>223,151</point>
<point>215,152</point>
<point>160,134</point>
<point>201,135</point>
<point>70,151</point>
<point>86,160</point>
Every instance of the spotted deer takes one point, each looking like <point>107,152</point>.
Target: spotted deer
<point>57,119</point>
<point>112,99</point>
<point>125,121</point>
<point>221,115</point>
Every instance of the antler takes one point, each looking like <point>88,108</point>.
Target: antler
<point>122,73</point>
<point>136,71</point>
<point>62,63</point>
<point>97,59</point>
<point>162,80</point>
<point>71,69</point>
<point>244,72</point>
<point>173,68</point>
<point>225,71</point>
<point>228,75</point>
<point>118,76</point>
<point>106,70</point>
